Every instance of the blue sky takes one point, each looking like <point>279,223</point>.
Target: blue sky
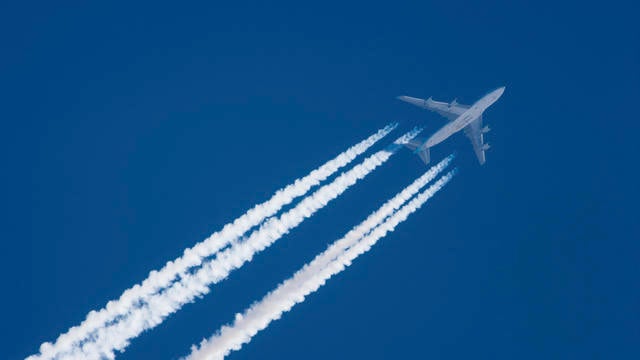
<point>132,131</point>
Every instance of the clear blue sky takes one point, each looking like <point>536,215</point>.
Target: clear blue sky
<point>132,131</point>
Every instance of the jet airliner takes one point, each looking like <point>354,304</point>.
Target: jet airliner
<point>461,117</point>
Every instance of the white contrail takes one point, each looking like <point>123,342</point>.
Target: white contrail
<point>157,307</point>
<point>194,256</point>
<point>307,280</point>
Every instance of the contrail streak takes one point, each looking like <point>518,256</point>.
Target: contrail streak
<point>156,308</point>
<point>313,275</point>
<point>157,280</point>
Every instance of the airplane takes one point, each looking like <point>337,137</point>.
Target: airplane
<point>460,117</point>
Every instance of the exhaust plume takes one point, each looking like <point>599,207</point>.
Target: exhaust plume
<point>155,308</point>
<point>307,280</point>
<point>135,297</point>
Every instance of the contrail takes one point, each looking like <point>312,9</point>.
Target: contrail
<point>194,256</point>
<point>313,275</point>
<point>116,336</point>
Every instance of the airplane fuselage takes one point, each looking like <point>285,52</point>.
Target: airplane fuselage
<point>464,119</point>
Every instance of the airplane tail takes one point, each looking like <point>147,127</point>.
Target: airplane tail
<point>424,155</point>
<point>415,145</point>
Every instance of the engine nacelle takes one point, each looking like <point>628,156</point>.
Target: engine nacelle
<point>486,147</point>
<point>486,129</point>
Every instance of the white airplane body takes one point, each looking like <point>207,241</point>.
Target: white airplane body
<point>461,117</point>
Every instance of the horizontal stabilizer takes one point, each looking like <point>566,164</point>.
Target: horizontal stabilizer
<point>424,155</point>
<point>415,143</point>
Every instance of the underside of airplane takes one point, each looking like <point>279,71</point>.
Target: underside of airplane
<point>460,117</point>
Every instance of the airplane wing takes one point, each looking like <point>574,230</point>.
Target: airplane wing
<point>450,111</point>
<point>474,132</point>
<point>415,144</point>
